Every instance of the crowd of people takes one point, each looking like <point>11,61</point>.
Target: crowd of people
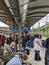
<point>10,47</point>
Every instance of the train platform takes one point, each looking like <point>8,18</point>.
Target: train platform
<point>31,58</point>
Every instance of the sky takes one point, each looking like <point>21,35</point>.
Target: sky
<point>42,22</point>
<point>3,25</point>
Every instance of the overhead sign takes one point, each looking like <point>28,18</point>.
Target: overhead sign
<point>26,28</point>
<point>15,28</point>
<point>25,22</point>
<point>7,22</point>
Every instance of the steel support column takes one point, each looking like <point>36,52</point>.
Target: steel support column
<point>20,35</point>
<point>39,29</point>
<point>12,30</point>
<point>46,24</point>
<point>19,25</point>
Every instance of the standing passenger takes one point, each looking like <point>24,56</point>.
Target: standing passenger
<point>9,39</point>
<point>16,40</point>
<point>31,39</point>
<point>37,47</point>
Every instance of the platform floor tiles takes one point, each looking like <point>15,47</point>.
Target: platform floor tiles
<point>31,58</point>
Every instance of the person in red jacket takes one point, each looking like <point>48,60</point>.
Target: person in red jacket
<point>2,39</point>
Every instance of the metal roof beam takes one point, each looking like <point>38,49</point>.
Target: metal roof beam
<point>2,13</point>
<point>34,8</point>
<point>6,9</point>
<point>12,8</point>
<point>1,18</point>
<point>28,2</point>
<point>37,13</point>
<point>37,7</point>
<point>33,16</point>
<point>4,16</point>
<point>31,22</point>
<point>18,10</point>
<point>32,19</point>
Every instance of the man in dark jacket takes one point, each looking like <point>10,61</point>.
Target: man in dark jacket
<point>30,41</point>
<point>9,39</point>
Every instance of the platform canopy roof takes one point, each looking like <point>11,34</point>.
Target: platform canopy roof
<point>10,10</point>
<point>13,10</point>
